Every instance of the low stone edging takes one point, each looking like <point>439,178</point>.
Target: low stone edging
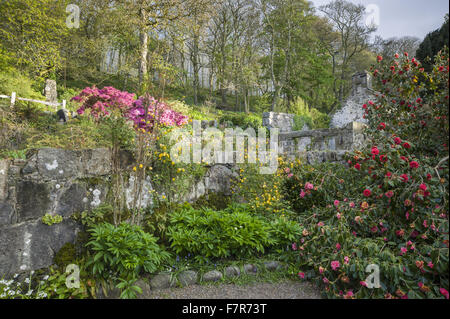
<point>165,280</point>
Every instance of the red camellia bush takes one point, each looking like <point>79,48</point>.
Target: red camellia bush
<point>399,184</point>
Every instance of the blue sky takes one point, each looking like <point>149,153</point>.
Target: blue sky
<point>405,17</point>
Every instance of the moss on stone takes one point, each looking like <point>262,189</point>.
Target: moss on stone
<point>65,256</point>
<point>217,201</point>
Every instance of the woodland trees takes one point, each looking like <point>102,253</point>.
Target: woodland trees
<point>242,55</point>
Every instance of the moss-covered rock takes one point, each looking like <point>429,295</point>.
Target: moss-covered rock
<point>66,255</point>
<point>216,201</point>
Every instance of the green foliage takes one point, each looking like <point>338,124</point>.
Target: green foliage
<point>211,234</point>
<point>432,44</point>
<point>81,133</point>
<point>15,81</point>
<point>45,284</point>
<point>310,116</point>
<point>34,33</point>
<point>300,121</point>
<point>49,219</point>
<point>14,154</point>
<point>233,232</point>
<point>98,215</point>
<point>241,120</point>
<point>123,252</point>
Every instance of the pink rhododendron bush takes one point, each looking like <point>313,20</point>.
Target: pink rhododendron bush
<point>385,215</point>
<point>144,113</point>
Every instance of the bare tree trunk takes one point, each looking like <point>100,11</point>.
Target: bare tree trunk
<point>272,73</point>
<point>196,67</point>
<point>143,76</point>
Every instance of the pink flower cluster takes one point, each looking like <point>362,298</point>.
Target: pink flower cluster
<point>146,110</point>
<point>101,101</point>
<point>308,188</point>
<point>143,112</point>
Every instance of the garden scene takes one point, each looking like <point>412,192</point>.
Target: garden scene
<point>254,149</point>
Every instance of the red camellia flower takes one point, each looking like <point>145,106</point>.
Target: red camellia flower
<point>388,174</point>
<point>406,53</point>
<point>375,151</point>
<point>379,58</point>
<point>357,166</point>
<point>367,192</point>
<point>414,164</point>
<point>397,56</point>
<point>389,194</point>
<point>397,140</point>
<point>364,106</point>
<point>423,187</point>
<point>383,158</point>
<point>404,177</point>
<point>381,126</point>
<point>406,145</point>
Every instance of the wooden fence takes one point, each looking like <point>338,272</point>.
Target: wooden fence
<point>13,99</point>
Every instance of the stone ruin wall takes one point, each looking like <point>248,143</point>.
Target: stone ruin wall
<point>326,145</point>
<point>352,110</point>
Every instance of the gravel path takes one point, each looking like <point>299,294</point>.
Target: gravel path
<point>280,290</point>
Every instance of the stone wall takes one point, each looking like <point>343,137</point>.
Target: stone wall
<point>352,110</point>
<point>51,181</point>
<point>318,146</point>
<point>64,182</point>
<point>283,121</point>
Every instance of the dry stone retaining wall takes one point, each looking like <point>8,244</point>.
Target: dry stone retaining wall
<point>63,182</point>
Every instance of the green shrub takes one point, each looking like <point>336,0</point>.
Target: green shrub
<point>306,115</point>
<point>212,234</point>
<point>241,120</point>
<point>284,231</point>
<point>15,81</point>
<point>300,121</point>
<point>233,232</point>
<point>123,252</point>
